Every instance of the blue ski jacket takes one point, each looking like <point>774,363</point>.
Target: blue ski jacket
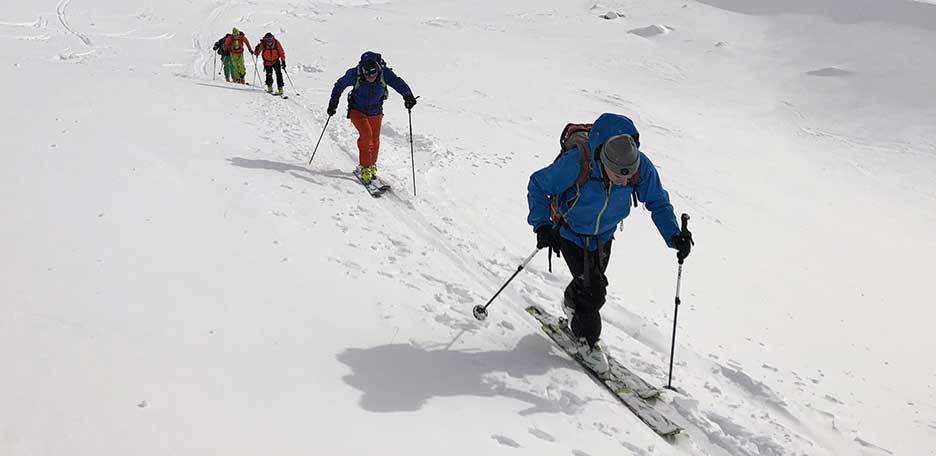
<point>597,207</point>
<point>368,97</point>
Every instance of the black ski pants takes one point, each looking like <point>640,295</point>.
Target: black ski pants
<point>588,288</point>
<point>277,67</point>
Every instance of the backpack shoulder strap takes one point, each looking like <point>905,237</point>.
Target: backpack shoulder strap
<point>576,135</point>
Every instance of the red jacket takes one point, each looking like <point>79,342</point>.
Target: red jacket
<point>235,45</point>
<point>270,53</point>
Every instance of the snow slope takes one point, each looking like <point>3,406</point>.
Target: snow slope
<point>177,279</point>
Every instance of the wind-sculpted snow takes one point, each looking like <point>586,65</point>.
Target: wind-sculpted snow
<point>902,12</point>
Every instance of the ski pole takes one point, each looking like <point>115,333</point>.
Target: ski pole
<point>320,139</point>
<point>290,80</point>
<point>214,68</point>
<point>412,151</point>
<point>669,382</point>
<point>256,71</point>
<point>479,311</point>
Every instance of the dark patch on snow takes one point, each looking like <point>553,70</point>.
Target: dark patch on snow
<point>310,69</point>
<point>542,435</point>
<point>833,400</point>
<point>635,449</point>
<point>651,30</point>
<point>439,22</point>
<point>868,444</point>
<point>754,387</point>
<point>830,72</point>
<point>506,441</point>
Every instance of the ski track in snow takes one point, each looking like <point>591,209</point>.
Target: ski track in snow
<point>63,19</point>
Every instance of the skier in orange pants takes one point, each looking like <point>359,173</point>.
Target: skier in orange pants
<point>370,80</point>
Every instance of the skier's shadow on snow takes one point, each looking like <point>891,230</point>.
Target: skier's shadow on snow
<point>239,88</point>
<point>404,377</point>
<point>297,171</point>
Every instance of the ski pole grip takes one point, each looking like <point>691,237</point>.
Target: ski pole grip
<point>685,223</point>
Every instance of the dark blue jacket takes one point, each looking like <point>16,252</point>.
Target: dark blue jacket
<point>597,207</point>
<point>368,97</point>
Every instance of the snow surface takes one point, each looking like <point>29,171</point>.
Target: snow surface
<point>176,279</point>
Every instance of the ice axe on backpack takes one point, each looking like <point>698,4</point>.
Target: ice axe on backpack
<point>479,311</point>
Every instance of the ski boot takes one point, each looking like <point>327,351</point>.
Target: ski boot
<point>269,88</point>
<point>593,357</point>
<point>368,173</point>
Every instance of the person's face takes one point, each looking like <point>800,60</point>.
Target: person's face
<point>616,178</point>
<point>371,77</point>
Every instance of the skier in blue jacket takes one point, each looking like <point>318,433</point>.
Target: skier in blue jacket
<point>578,220</point>
<point>370,79</point>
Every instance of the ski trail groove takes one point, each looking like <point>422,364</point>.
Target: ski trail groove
<point>60,12</point>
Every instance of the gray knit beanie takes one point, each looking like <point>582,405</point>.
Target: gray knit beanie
<point>620,155</point>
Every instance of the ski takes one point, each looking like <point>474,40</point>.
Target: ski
<point>375,187</point>
<point>634,392</point>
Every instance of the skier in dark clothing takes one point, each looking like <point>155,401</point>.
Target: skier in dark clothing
<point>370,79</point>
<point>579,219</point>
<point>225,57</point>
<point>274,60</point>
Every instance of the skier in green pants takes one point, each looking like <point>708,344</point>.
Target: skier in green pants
<point>235,44</point>
<point>225,57</point>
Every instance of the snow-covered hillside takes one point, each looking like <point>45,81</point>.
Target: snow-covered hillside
<point>177,279</point>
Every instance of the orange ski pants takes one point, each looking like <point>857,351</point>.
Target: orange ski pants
<point>368,142</point>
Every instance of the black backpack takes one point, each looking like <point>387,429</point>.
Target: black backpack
<point>576,135</point>
<point>369,55</point>
<point>219,46</point>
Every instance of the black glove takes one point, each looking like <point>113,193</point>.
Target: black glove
<point>409,102</point>
<point>683,243</point>
<point>547,236</point>
<point>332,109</point>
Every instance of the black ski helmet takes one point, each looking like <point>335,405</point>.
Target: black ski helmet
<point>369,67</point>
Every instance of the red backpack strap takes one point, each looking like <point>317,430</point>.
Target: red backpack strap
<point>576,135</point>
